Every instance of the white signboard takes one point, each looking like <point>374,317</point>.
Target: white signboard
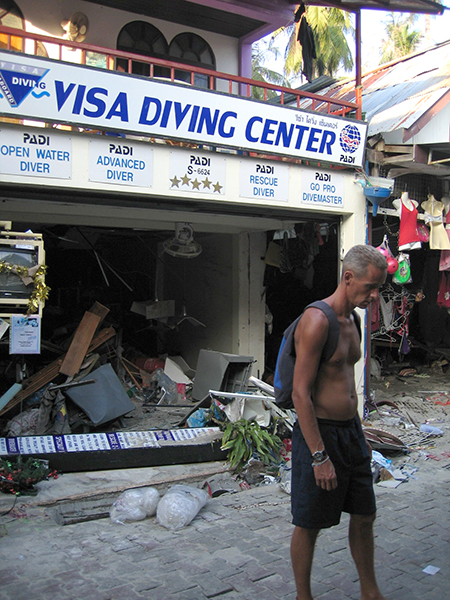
<point>263,180</point>
<point>34,87</point>
<point>322,188</point>
<point>35,152</point>
<point>42,444</point>
<point>25,334</point>
<point>114,161</point>
<point>197,172</point>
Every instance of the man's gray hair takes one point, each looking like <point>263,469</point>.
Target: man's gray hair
<point>360,257</point>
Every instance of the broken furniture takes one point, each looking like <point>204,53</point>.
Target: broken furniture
<point>220,371</point>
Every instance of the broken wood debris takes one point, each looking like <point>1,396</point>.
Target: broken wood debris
<point>35,382</point>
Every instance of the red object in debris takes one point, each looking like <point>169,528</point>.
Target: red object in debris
<point>149,364</point>
<point>287,444</point>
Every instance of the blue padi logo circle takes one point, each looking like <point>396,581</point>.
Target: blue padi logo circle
<point>350,139</point>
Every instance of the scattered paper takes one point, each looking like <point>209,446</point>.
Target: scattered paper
<point>430,570</point>
<point>389,483</point>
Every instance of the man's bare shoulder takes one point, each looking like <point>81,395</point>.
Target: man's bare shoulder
<point>313,325</point>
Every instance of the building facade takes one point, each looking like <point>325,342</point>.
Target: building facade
<point>201,217</point>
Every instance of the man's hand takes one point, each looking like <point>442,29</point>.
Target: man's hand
<point>326,476</point>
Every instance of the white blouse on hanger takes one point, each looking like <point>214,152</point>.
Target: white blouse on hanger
<point>433,216</point>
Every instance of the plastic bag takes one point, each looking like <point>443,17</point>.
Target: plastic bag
<point>134,505</point>
<point>285,479</point>
<point>180,505</point>
<point>386,252</point>
<point>403,274</point>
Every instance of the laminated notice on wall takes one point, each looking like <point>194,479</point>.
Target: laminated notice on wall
<point>25,336</point>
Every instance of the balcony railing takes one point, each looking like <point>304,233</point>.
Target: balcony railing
<point>86,54</point>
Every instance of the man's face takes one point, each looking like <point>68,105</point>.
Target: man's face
<point>363,290</point>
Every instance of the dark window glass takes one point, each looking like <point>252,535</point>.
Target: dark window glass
<point>142,38</point>
<point>193,50</point>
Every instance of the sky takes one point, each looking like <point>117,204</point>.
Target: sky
<point>436,29</point>
<point>373,31</point>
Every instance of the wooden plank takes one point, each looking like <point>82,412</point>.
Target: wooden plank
<point>99,310</point>
<point>80,344</point>
<point>48,373</point>
<point>70,513</point>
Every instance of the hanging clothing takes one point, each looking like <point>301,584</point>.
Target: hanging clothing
<point>444,263</point>
<point>443,297</point>
<point>434,209</point>
<point>305,37</point>
<point>387,312</point>
<point>408,238</point>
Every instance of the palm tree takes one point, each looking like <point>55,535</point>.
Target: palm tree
<point>401,39</point>
<point>329,26</point>
<point>262,51</point>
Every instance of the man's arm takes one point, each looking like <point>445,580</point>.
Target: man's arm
<point>310,337</point>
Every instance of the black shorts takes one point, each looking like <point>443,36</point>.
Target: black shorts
<point>315,508</point>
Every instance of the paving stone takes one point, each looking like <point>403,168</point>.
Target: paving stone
<point>243,555</point>
<point>212,586</point>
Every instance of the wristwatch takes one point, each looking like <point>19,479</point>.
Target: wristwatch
<point>319,456</point>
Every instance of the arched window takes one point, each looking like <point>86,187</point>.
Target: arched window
<point>193,50</point>
<point>142,38</point>
<point>11,16</point>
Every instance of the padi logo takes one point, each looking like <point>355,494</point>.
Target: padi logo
<point>350,140</point>
<point>17,81</point>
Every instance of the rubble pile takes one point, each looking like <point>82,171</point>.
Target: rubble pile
<point>408,422</point>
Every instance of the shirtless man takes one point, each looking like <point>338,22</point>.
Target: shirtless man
<point>330,459</point>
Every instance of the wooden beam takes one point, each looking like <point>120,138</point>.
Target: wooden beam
<point>80,344</point>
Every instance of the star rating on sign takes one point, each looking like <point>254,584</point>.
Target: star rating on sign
<point>195,183</point>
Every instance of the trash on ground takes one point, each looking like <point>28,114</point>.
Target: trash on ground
<point>180,505</point>
<point>431,429</point>
<point>430,570</point>
<point>134,505</point>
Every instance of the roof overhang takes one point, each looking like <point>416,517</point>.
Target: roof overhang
<point>253,19</point>
<point>248,21</point>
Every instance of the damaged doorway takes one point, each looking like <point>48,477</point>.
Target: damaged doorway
<point>120,269</point>
<point>301,267</point>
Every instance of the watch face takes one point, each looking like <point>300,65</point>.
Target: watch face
<point>319,455</point>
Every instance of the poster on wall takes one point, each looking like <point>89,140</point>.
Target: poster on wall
<point>123,162</point>
<point>25,334</point>
<point>35,153</point>
<point>263,180</point>
<point>118,102</point>
<point>197,172</point>
<point>322,188</point>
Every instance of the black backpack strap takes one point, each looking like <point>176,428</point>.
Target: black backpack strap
<point>357,320</point>
<point>333,328</point>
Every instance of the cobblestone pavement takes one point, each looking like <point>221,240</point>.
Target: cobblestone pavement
<point>236,548</point>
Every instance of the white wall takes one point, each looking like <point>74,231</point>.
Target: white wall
<point>105,24</point>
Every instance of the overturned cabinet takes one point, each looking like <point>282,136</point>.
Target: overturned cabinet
<point>221,371</point>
